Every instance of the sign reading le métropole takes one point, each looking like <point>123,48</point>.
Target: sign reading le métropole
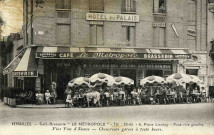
<point>112,17</point>
<point>117,55</point>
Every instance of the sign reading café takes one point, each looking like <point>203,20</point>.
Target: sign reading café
<point>112,17</point>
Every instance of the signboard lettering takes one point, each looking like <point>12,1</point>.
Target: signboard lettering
<point>128,24</point>
<point>25,73</point>
<point>117,55</point>
<point>112,17</point>
<point>159,24</point>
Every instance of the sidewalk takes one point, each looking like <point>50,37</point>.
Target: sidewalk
<point>41,106</point>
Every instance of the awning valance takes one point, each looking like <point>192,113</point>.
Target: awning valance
<point>27,67</point>
<point>108,53</point>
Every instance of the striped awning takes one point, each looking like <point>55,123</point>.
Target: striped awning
<point>13,64</point>
<point>108,53</point>
<point>27,67</point>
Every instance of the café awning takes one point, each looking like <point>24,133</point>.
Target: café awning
<point>111,53</point>
<point>13,64</point>
<point>27,67</point>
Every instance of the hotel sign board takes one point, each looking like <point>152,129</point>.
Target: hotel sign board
<point>109,55</point>
<point>112,17</point>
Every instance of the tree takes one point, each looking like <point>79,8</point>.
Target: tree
<point>1,24</point>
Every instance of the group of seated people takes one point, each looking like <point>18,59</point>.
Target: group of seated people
<point>50,97</point>
<point>118,96</point>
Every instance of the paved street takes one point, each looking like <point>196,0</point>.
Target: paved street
<point>202,113</point>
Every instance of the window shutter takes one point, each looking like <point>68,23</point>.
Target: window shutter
<point>156,6</point>
<point>93,34</point>
<point>132,36</point>
<point>63,34</point>
<point>99,34</point>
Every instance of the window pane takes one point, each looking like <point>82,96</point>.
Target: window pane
<point>129,6</point>
<point>63,4</point>
<point>96,5</point>
<point>59,4</point>
<point>159,6</point>
<point>67,4</point>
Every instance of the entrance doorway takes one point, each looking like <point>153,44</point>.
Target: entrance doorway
<point>63,78</point>
<point>154,72</point>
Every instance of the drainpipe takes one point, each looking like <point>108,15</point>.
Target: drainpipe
<point>31,22</point>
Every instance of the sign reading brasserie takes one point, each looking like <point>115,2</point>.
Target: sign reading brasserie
<point>112,17</point>
<point>118,55</point>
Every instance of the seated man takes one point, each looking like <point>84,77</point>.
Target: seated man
<point>69,100</point>
<point>48,96</point>
<point>39,98</point>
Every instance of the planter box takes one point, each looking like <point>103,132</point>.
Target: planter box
<point>8,101</point>
<point>12,102</point>
<point>5,100</point>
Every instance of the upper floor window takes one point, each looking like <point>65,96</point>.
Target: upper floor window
<point>129,6</point>
<point>63,4</point>
<point>159,6</point>
<point>129,35</point>
<point>63,34</point>
<point>96,5</point>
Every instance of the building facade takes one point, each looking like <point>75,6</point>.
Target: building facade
<point>133,38</point>
<point>210,44</point>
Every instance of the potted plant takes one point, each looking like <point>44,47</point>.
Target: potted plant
<point>5,95</point>
<point>12,97</point>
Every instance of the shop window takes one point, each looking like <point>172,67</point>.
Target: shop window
<point>63,34</point>
<point>96,34</point>
<point>159,6</point>
<point>96,5</point>
<point>129,6</point>
<point>192,72</point>
<point>63,4</point>
<point>154,72</point>
<point>129,35</point>
<point>159,37</point>
<point>167,73</point>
